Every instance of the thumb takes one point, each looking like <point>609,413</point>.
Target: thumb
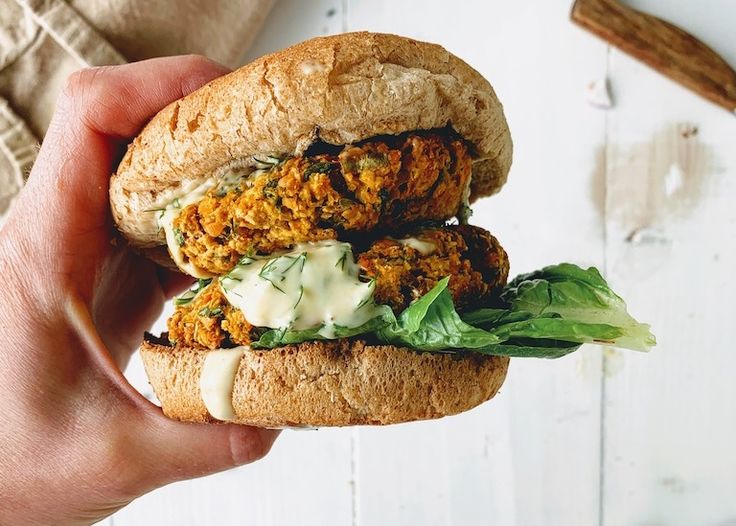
<point>165,451</point>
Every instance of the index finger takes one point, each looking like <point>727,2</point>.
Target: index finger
<point>116,101</point>
<point>97,112</point>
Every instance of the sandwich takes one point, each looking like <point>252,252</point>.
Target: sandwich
<point>320,196</point>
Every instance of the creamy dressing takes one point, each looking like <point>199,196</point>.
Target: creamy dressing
<point>313,285</point>
<point>173,237</point>
<point>425,248</point>
<point>218,379</point>
<point>463,215</point>
<point>227,178</point>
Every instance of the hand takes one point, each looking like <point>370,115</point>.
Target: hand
<point>77,442</point>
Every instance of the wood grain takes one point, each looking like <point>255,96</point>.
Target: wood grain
<point>663,46</point>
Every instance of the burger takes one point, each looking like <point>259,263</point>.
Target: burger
<point>320,196</point>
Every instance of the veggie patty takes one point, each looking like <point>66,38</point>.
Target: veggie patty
<point>371,185</point>
<point>475,261</point>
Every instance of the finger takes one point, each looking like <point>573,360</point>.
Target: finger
<point>97,111</point>
<point>116,101</point>
<point>172,282</point>
<point>127,301</point>
<point>166,450</point>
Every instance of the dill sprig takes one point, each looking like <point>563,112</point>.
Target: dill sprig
<point>189,295</point>
<point>209,312</point>
<point>371,285</point>
<point>270,273</point>
<point>179,237</point>
<point>299,299</point>
<point>342,260</point>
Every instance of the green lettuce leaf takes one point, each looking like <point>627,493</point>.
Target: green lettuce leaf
<point>277,337</point>
<point>546,314</point>
<point>584,303</point>
<point>433,324</point>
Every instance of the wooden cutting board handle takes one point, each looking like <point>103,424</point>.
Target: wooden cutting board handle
<point>663,46</point>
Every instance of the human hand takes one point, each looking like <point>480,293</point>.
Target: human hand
<point>77,442</point>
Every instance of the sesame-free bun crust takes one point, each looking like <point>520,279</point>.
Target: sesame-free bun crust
<point>338,89</point>
<point>329,383</point>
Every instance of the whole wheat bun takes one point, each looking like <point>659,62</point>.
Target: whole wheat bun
<point>338,89</point>
<point>329,383</point>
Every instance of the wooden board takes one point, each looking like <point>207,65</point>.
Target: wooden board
<point>629,439</point>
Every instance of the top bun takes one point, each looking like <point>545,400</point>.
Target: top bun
<point>339,89</point>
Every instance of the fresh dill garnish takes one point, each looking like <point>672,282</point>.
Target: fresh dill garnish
<point>282,291</point>
<point>179,237</point>
<point>175,203</point>
<point>300,258</point>
<point>208,312</point>
<point>161,212</point>
<point>230,275</point>
<point>184,299</point>
<point>301,293</point>
<point>371,284</point>
<point>189,295</point>
<point>269,274</point>
<point>245,259</point>
<point>275,272</point>
<point>342,260</point>
<point>269,162</point>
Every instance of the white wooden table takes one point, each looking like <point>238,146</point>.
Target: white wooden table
<point>645,191</point>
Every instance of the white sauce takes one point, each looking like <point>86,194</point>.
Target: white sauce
<point>218,379</point>
<point>465,211</point>
<point>226,178</point>
<point>166,221</point>
<point>425,248</point>
<point>314,285</point>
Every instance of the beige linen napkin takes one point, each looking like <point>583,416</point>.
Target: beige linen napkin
<point>43,41</point>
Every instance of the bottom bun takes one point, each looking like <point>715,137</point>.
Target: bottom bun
<point>328,383</point>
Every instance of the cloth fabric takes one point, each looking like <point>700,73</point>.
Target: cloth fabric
<point>43,41</point>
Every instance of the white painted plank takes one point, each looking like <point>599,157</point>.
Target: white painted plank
<point>532,455</point>
<point>669,426</point>
<point>306,479</point>
<point>292,21</point>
